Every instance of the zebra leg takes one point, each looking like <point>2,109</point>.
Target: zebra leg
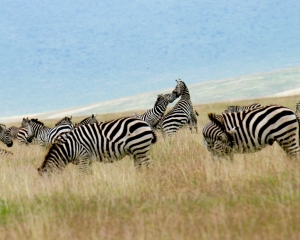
<point>84,164</point>
<point>142,160</point>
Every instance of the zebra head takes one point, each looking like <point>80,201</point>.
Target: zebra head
<point>5,136</point>
<point>170,97</point>
<point>25,122</point>
<point>64,121</point>
<point>180,87</point>
<point>216,138</point>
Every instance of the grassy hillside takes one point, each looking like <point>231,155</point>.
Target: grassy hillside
<point>185,196</point>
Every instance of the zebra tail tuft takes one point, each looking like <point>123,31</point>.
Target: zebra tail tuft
<point>196,113</point>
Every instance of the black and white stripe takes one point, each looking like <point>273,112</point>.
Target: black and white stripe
<point>105,142</point>
<point>88,120</point>
<point>5,136</point>
<point>22,137</point>
<point>250,131</point>
<point>181,114</point>
<point>45,135</point>
<point>242,108</point>
<point>154,115</point>
<point>14,130</point>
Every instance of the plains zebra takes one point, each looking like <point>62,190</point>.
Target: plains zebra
<point>14,130</point>
<point>65,120</point>
<point>45,135</point>
<point>154,115</point>
<point>181,114</point>
<point>5,153</point>
<point>106,142</point>
<point>5,136</point>
<point>88,120</point>
<point>298,108</point>
<point>242,108</point>
<point>252,130</point>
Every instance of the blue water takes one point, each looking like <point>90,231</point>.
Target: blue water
<point>62,54</point>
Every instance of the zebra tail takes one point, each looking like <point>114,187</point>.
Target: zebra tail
<point>154,139</point>
<point>196,113</point>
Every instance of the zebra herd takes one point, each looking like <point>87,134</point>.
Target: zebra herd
<point>239,129</point>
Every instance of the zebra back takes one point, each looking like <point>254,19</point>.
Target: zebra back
<point>242,108</point>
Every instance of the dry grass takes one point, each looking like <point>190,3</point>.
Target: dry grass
<point>185,196</point>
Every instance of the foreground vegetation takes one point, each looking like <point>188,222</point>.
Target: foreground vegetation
<point>185,196</point>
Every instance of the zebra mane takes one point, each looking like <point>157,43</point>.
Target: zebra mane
<point>212,117</point>
<point>35,120</point>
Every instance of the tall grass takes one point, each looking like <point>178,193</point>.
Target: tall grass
<point>185,196</point>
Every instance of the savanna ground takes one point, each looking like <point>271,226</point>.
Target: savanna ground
<point>185,196</point>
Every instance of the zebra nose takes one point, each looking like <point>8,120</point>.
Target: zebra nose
<point>9,144</point>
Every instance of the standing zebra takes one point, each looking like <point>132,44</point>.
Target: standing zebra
<point>5,136</point>
<point>181,114</point>
<point>250,131</point>
<point>88,120</point>
<point>154,115</point>
<point>242,108</point>
<point>298,108</point>
<point>45,135</point>
<point>105,142</point>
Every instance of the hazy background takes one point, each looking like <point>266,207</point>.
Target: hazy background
<point>62,54</point>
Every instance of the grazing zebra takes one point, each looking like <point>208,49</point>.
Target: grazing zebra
<point>181,114</point>
<point>242,108</point>
<point>88,120</point>
<point>105,142</point>
<point>5,153</point>
<point>154,115</point>
<point>250,131</point>
<point>45,135</point>
<point>5,136</point>
<point>14,130</point>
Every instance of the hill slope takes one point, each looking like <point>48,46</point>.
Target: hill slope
<point>280,83</point>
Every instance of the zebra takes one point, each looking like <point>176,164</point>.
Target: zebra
<point>22,136</point>
<point>5,153</point>
<point>14,130</point>
<point>242,108</point>
<point>154,115</point>
<point>252,130</point>
<point>65,120</point>
<point>5,136</point>
<point>45,135</point>
<point>104,142</point>
<point>181,114</point>
<point>88,120</point>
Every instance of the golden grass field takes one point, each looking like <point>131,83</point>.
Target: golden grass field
<point>185,196</point>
